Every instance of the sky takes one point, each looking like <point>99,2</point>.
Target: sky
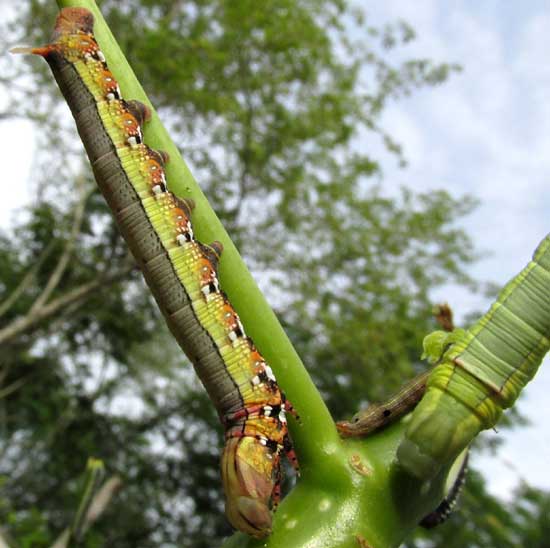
<point>486,132</point>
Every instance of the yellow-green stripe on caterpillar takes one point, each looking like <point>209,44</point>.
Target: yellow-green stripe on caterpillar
<point>480,371</point>
<point>180,271</point>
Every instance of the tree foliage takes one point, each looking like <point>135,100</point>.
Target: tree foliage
<point>275,104</point>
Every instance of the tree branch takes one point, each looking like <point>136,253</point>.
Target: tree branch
<point>29,322</point>
<point>58,271</point>
<point>27,279</point>
<point>100,501</point>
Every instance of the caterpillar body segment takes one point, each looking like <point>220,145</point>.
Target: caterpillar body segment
<point>482,371</point>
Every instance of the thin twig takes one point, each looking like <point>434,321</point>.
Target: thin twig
<point>95,470</point>
<point>100,502</point>
<point>13,387</point>
<point>92,505</point>
<point>29,322</point>
<point>27,279</point>
<point>58,271</point>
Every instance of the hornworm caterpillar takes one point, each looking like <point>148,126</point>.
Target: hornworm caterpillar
<point>181,272</point>
<point>379,415</point>
<point>481,370</point>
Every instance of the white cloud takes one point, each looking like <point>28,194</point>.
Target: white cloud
<point>423,12</point>
<point>16,152</point>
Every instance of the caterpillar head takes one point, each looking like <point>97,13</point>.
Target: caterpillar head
<point>71,24</point>
<point>251,476</point>
<point>73,21</point>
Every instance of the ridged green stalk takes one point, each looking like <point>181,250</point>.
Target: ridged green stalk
<point>317,429</point>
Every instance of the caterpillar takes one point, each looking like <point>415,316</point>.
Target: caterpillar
<point>480,371</point>
<point>380,415</point>
<point>181,272</point>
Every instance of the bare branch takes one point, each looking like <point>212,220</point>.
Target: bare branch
<point>27,280</point>
<point>13,387</point>
<point>95,470</point>
<point>92,505</point>
<point>58,271</point>
<point>29,322</point>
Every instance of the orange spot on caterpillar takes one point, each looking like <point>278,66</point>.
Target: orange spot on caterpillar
<point>231,321</point>
<point>141,112</point>
<point>207,272</point>
<point>155,172</point>
<point>132,131</point>
<point>179,216</point>
<point>85,44</point>
<point>109,86</point>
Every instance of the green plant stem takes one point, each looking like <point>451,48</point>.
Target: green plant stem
<point>372,500</point>
<point>351,490</point>
<point>95,471</point>
<point>347,488</point>
<point>316,434</point>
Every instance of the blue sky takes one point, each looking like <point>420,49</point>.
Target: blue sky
<point>486,132</point>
